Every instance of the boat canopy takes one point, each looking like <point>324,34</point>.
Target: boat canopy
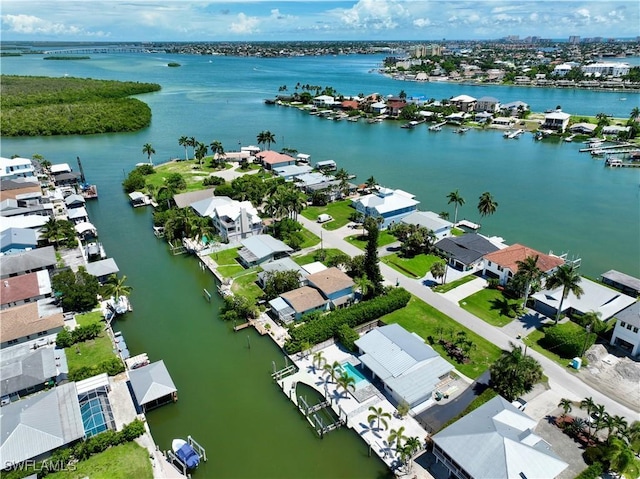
<point>85,226</point>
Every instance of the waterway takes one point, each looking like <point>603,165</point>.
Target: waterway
<point>550,196</point>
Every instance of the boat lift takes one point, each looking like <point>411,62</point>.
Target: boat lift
<point>181,466</point>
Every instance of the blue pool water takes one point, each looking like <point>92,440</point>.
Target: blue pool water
<point>352,371</point>
<point>93,418</point>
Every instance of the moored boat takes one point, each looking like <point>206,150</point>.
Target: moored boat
<point>185,453</point>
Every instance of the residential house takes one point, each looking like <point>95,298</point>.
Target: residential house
<point>606,69</point>
<point>292,305</point>
<point>78,215</point>
<point>583,128</point>
<point>261,248</point>
<point>35,426</point>
<point>326,165</point>
<point>86,231</point>
<point>503,264</point>
<point>152,386</point>
<point>615,130</point>
<point>233,220</point>
<point>350,105</point>
<point>291,172</point>
<point>464,103</point>
<point>272,159</point>
<point>184,200</point>
<point>17,240</point>
<point>12,168</point>
<point>409,369</point>
<point>102,269</point>
<point>394,107</point>
<point>595,297</point>
<point>556,120</point>
<point>430,220</point>
<point>496,441</point>
<point>28,261</point>
<point>29,321</point>
<point>514,108</point>
<point>626,333</point>
<point>503,121</point>
<point>335,285</point>
<point>483,116</point>
<point>387,205</point>
<point>465,252</point>
<point>280,265</point>
<point>26,288</point>
<point>74,201</point>
<point>624,282</point>
<point>324,101</point>
<point>378,108</point>
<point>26,371</point>
<point>20,189</point>
<point>488,104</point>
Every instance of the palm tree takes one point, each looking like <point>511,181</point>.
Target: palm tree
<point>52,231</point>
<point>201,151</point>
<point>363,285</point>
<point>184,142</point>
<point>266,137</point>
<point>568,278</point>
<point>566,405</point>
<point>397,436</point>
<point>635,114</point>
<point>444,215</point>
<point>589,405</point>
<point>342,175</point>
<point>345,381</point>
<point>411,446</point>
<point>455,198</point>
<point>332,369</point>
<point>514,373</point>
<point>193,143</point>
<point>615,424</point>
<point>148,150</point>
<point>438,270</point>
<point>116,287</point>
<point>486,204</point>
<point>318,360</point>
<point>371,183</point>
<point>529,270</point>
<point>217,150</point>
<point>380,415</point>
<point>599,418</point>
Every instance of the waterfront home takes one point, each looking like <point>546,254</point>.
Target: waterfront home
<point>86,231</point>
<point>464,103</point>
<point>309,179</point>
<point>503,264</point>
<point>556,120</point>
<point>21,190</point>
<point>623,282</point>
<point>74,201</point>
<point>390,206</point>
<point>595,297</point>
<point>583,128</point>
<point>503,121</point>
<point>261,248</point>
<point>488,104</point>
<point>465,252</point>
<point>28,261</point>
<point>457,118</point>
<point>17,208</point>
<point>292,305</point>
<point>26,371</point>
<point>30,321</point>
<point>496,440</point>
<point>615,130</point>
<point>25,288</point>
<point>291,172</point>
<point>35,426</point>
<point>395,106</point>
<point>606,69</point>
<point>326,165</point>
<point>184,200</point>
<point>272,159</point>
<point>562,69</point>
<point>12,168</point>
<point>514,108</point>
<point>16,240</point>
<point>350,105</point>
<point>102,269</point>
<point>78,215</point>
<point>408,368</point>
<point>483,116</point>
<point>626,333</point>
<point>324,101</point>
<point>233,220</point>
<point>378,108</point>
<point>430,220</point>
<point>335,285</point>
<point>280,265</point>
<point>152,386</point>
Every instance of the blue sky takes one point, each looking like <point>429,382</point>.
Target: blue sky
<point>239,20</point>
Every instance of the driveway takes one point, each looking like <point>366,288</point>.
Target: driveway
<point>464,290</point>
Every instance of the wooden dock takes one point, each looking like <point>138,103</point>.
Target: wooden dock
<point>242,326</point>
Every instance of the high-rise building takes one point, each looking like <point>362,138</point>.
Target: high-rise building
<point>574,39</point>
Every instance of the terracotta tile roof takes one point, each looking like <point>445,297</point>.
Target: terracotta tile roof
<point>508,258</point>
<point>330,280</point>
<point>24,320</point>
<point>303,299</point>
<point>273,157</point>
<point>19,288</point>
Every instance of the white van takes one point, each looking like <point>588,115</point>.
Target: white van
<point>323,218</point>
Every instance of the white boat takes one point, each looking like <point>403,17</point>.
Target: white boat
<point>185,453</point>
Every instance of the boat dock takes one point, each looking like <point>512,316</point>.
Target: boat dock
<point>468,224</point>
<point>437,126</point>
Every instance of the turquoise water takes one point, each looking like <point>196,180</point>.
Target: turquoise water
<point>93,418</point>
<point>353,372</point>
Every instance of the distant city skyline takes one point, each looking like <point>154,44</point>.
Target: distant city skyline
<point>242,20</point>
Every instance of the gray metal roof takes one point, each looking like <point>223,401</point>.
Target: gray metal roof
<point>35,259</point>
<point>427,219</point>
<point>151,382</point>
<point>17,236</point>
<point>263,246</point>
<point>40,423</point>
<point>504,445</point>
<point>630,315</point>
<point>29,370</point>
<point>623,279</point>
<point>102,267</point>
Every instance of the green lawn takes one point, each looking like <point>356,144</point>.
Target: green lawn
<point>340,211</point>
<point>119,462</point>
<point>427,322</point>
<point>231,270</point>
<point>360,241</point>
<point>489,305</point>
<point>311,257</point>
<point>89,353</point>
<point>309,239</point>
<point>415,267</point>
<point>443,288</point>
<point>533,339</point>
<point>456,232</point>
<point>191,171</point>
<point>86,319</point>
<point>225,257</point>
<point>245,285</point>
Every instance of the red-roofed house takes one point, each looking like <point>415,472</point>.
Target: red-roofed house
<point>395,106</point>
<point>273,159</point>
<point>350,105</point>
<point>503,263</point>
<point>25,288</point>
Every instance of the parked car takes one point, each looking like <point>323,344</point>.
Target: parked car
<point>323,218</point>
<point>520,403</point>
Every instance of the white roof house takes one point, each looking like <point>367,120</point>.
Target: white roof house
<point>430,220</point>
<point>152,385</point>
<point>60,168</point>
<point>11,168</point>
<point>595,297</point>
<point>556,120</point>
<point>260,248</point>
<point>390,205</point>
<point>234,220</point>
<point>497,441</point>
<point>40,423</point>
<point>409,368</point>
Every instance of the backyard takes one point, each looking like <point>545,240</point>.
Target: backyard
<point>192,172</point>
<point>340,211</point>
<point>92,352</point>
<point>492,306</point>
<point>415,267</point>
<point>360,240</point>
<point>431,325</point>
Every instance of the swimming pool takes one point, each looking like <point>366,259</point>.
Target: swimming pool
<point>96,413</point>
<point>353,372</point>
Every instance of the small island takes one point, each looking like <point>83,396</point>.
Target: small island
<point>173,64</point>
<point>75,57</point>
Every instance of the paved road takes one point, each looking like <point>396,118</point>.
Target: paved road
<point>562,382</point>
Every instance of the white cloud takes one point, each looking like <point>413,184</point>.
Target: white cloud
<point>373,14</point>
<point>421,22</point>
<point>245,24</point>
<point>29,24</point>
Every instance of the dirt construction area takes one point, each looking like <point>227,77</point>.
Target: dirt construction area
<point>616,376</point>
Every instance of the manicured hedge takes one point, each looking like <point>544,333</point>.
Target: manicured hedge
<point>325,327</point>
<point>111,366</point>
<point>567,340</point>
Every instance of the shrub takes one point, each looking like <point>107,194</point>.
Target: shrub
<point>567,340</point>
<point>594,471</point>
<point>493,283</point>
<point>64,339</point>
<point>347,337</point>
<point>111,366</point>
